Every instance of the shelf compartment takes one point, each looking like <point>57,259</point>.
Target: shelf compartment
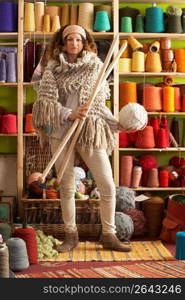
<point>181,189</point>
<point>170,149</point>
<point>45,35</point>
<point>151,74</point>
<point>151,35</point>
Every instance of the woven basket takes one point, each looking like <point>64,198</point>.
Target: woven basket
<point>154,212</point>
<point>45,214</point>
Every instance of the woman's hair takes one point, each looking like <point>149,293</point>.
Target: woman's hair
<point>57,44</point>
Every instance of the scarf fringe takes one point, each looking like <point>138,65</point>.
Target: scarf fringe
<point>46,115</point>
<point>96,134</point>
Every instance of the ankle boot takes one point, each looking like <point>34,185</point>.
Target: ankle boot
<point>70,241</point>
<point>110,241</point>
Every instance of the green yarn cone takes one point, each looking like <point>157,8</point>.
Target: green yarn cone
<point>139,27</point>
<point>183,23</point>
<point>102,22</point>
<point>126,24</point>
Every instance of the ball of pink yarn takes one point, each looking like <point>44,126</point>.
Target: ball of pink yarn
<point>147,162</point>
<point>34,177</point>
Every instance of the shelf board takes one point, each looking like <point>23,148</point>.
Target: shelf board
<point>8,35</point>
<point>8,134</point>
<point>159,189</point>
<point>152,1</point>
<point>8,84</point>
<point>170,149</point>
<point>46,35</point>
<point>176,113</point>
<point>151,74</point>
<point>80,1</point>
<point>30,134</point>
<point>152,35</point>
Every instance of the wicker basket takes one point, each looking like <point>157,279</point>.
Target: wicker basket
<point>45,214</point>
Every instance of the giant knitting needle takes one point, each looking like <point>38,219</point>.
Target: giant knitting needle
<point>76,122</point>
<point>102,77</point>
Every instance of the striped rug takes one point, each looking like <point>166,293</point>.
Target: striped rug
<point>159,269</point>
<point>92,251</point>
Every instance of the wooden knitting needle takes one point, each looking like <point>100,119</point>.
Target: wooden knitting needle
<point>103,75</point>
<point>76,122</point>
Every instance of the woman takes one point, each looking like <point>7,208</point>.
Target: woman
<point>64,90</point>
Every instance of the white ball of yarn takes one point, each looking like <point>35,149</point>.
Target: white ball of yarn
<point>133,117</point>
<point>79,173</point>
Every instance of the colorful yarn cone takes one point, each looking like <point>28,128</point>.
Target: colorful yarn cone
<point>9,124</point>
<point>163,178</point>
<point>145,138</point>
<point>126,24</point>
<point>28,124</point>
<point>139,26</point>
<point>126,165</point>
<point>153,180</point>
<point>102,22</point>
<point>136,176</point>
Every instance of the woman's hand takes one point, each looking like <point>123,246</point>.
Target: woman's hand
<point>79,113</point>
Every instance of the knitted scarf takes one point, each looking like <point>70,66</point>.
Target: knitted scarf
<point>61,79</point>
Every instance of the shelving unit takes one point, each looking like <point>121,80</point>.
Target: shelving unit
<point>19,38</point>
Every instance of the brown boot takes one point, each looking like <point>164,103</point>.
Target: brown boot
<point>110,241</point>
<point>70,241</point>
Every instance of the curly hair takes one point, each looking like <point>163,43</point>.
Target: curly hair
<point>57,44</point>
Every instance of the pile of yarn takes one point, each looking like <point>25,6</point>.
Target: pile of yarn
<point>46,245</point>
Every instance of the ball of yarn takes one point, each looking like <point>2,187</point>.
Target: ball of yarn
<point>79,173</point>
<point>133,117</point>
<point>18,256</point>
<point>5,231</point>
<point>34,177</point>
<point>124,226</point>
<point>35,190</point>
<point>147,161</point>
<point>139,221</point>
<point>175,161</point>
<point>125,198</point>
<point>52,194</point>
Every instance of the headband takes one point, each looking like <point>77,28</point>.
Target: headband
<point>74,29</point>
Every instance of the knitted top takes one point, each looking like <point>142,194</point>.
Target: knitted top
<point>61,84</point>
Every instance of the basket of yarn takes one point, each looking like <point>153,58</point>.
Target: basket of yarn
<point>154,213</point>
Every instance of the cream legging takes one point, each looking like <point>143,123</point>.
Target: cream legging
<point>99,165</point>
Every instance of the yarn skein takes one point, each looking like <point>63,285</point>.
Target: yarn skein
<point>18,258</point>
<point>29,236</point>
<point>4,261</point>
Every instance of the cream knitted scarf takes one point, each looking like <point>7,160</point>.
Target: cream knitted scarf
<point>65,78</point>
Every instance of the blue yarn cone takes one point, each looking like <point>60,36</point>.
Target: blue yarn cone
<point>102,22</point>
<point>2,70</point>
<point>154,20</point>
<point>180,245</point>
<point>11,62</point>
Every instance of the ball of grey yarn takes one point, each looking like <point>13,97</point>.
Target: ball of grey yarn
<point>125,198</point>
<point>5,230</point>
<point>124,226</point>
<point>18,257</point>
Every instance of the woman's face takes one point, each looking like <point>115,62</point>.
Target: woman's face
<point>74,44</point>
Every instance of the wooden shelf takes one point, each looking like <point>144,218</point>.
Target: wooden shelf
<point>151,1</point>
<point>153,189</point>
<point>8,84</point>
<point>8,35</point>
<point>30,134</point>
<point>175,113</point>
<point>154,149</point>
<point>45,35</point>
<point>8,134</point>
<point>152,74</point>
<point>151,35</point>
